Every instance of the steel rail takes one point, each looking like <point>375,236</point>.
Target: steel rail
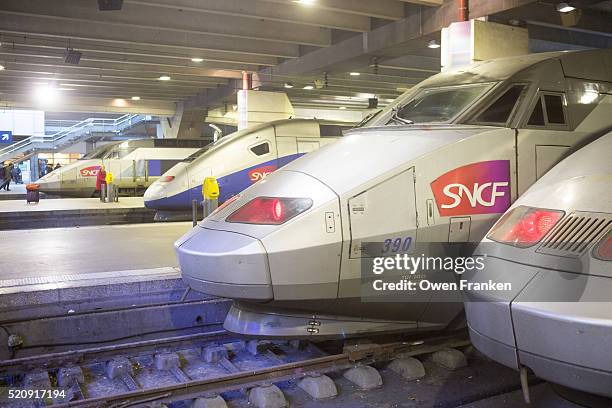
<point>364,354</point>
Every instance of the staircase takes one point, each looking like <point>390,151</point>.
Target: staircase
<point>80,131</point>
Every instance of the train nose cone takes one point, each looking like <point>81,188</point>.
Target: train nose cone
<point>206,255</point>
<point>156,191</point>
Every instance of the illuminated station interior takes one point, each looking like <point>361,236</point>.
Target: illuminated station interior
<point>306,203</point>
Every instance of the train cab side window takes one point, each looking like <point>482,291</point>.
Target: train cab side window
<point>261,149</point>
<point>500,110</point>
<point>554,109</point>
<point>537,116</point>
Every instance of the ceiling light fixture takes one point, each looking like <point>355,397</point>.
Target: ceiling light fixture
<point>2,68</point>
<point>46,94</point>
<point>197,59</point>
<point>119,103</point>
<point>355,73</point>
<point>433,44</point>
<point>309,87</point>
<point>135,98</point>
<point>305,2</point>
<point>565,8</point>
<point>342,107</point>
<point>288,85</point>
<point>164,78</point>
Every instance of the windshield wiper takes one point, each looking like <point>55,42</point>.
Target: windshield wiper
<point>397,119</point>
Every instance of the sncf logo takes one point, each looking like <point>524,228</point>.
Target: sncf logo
<point>260,173</point>
<point>91,171</point>
<point>478,188</point>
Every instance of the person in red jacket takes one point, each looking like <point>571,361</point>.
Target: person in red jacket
<point>100,181</point>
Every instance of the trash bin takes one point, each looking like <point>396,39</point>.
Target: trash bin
<point>32,193</point>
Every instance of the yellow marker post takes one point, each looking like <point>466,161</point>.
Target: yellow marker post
<point>109,187</point>
<point>210,188</point>
<point>210,191</point>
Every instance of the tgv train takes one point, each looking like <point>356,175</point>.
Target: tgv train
<point>135,165</point>
<point>554,247</point>
<point>433,170</point>
<point>237,161</point>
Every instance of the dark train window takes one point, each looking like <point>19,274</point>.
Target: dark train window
<point>554,109</point>
<point>261,149</point>
<point>537,116</point>
<point>331,130</point>
<point>500,110</point>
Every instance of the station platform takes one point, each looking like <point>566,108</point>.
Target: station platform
<point>72,212</point>
<point>44,270</point>
<point>17,192</point>
<point>68,251</point>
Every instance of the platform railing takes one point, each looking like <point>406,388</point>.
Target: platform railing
<point>72,134</point>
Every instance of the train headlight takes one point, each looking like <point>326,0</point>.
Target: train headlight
<point>524,226</point>
<point>270,210</point>
<point>166,179</point>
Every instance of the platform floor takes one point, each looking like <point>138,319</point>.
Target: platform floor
<point>17,191</point>
<point>69,204</point>
<point>66,251</point>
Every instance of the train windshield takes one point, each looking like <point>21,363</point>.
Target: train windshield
<point>438,105</point>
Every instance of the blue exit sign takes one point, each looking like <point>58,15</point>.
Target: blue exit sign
<point>6,136</point>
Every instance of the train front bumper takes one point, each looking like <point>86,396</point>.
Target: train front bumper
<point>553,322</point>
<point>206,255</point>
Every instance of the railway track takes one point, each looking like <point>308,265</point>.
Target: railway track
<point>155,372</point>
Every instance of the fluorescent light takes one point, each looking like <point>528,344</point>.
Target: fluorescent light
<point>288,85</point>
<point>135,98</point>
<point>305,2</point>
<point>2,68</point>
<point>309,87</point>
<point>354,73</point>
<point>342,107</point>
<point>433,44</point>
<point>46,94</point>
<point>197,59</point>
<point>164,78</point>
<point>565,8</point>
<point>120,103</point>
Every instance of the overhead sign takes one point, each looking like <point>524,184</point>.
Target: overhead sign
<point>6,136</point>
<point>478,188</point>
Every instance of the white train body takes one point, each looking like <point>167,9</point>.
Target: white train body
<point>554,247</point>
<point>238,160</point>
<point>135,165</point>
<point>289,249</point>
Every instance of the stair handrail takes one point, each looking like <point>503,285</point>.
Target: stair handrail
<point>118,124</point>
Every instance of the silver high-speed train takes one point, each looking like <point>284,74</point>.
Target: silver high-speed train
<point>554,247</point>
<point>135,165</point>
<point>237,161</point>
<point>432,171</point>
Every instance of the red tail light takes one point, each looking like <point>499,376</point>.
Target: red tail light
<point>524,226</point>
<point>603,250</point>
<point>270,210</point>
<point>167,179</point>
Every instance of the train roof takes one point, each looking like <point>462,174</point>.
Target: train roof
<point>593,64</point>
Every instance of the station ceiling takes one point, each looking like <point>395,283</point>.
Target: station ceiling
<point>289,45</point>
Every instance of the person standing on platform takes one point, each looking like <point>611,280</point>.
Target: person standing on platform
<point>57,166</point>
<point>8,176</point>
<point>48,168</point>
<point>100,181</point>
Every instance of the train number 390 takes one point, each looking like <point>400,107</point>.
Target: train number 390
<point>399,244</point>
